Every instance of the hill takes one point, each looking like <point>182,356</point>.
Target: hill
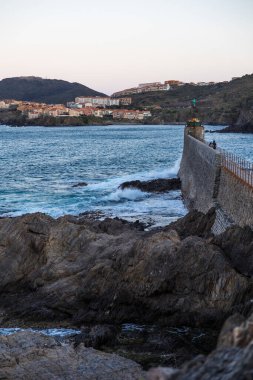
<point>228,103</point>
<point>37,89</point>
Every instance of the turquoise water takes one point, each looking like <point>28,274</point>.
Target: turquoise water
<point>39,167</point>
<point>56,332</point>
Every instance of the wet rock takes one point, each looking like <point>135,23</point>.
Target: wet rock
<point>96,336</point>
<point>151,345</point>
<point>29,356</point>
<point>153,186</point>
<point>80,184</point>
<point>232,360</point>
<point>113,272</point>
<point>229,363</point>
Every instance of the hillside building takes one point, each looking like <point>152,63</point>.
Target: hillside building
<point>174,83</point>
<point>143,87</point>
<point>97,101</point>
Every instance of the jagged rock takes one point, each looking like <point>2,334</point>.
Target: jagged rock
<point>112,272</point>
<point>29,356</point>
<point>237,244</point>
<point>153,186</point>
<point>195,223</point>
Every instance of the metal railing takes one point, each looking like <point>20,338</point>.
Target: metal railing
<point>238,166</point>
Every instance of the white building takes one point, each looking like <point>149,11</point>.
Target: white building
<point>98,101</point>
<point>73,105</point>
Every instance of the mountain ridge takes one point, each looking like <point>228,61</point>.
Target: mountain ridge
<point>37,89</point>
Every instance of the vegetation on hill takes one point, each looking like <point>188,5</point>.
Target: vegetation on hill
<point>228,103</point>
<point>41,90</point>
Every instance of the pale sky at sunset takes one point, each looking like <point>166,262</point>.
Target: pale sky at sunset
<point>110,45</point>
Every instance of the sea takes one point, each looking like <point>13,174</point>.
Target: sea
<point>40,167</point>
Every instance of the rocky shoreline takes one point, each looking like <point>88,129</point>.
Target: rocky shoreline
<point>15,119</point>
<point>78,271</point>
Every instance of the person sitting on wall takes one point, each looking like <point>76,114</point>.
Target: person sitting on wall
<point>214,144</point>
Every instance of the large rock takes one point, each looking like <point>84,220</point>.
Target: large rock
<point>154,186</point>
<point>29,356</point>
<point>81,271</point>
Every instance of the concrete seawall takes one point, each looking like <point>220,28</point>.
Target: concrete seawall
<point>206,183</point>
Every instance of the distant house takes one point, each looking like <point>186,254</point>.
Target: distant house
<point>32,115</point>
<point>174,83</point>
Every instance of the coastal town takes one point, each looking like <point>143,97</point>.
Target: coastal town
<point>99,107</point>
<point>118,106</point>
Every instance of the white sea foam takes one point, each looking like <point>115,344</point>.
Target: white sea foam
<point>60,332</point>
<point>114,183</point>
<point>126,194</point>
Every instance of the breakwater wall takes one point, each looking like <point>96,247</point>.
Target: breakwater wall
<point>211,178</point>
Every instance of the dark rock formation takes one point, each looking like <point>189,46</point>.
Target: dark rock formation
<point>242,128</point>
<point>237,245</point>
<point>79,271</point>
<point>195,223</point>
<point>29,356</point>
<point>153,186</point>
<point>244,123</point>
<point>80,184</point>
<point>232,360</point>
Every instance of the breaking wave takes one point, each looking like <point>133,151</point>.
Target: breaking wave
<point>126,194</point>
<point>114,183</point>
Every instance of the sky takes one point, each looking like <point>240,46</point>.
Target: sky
<point>110,45</point>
